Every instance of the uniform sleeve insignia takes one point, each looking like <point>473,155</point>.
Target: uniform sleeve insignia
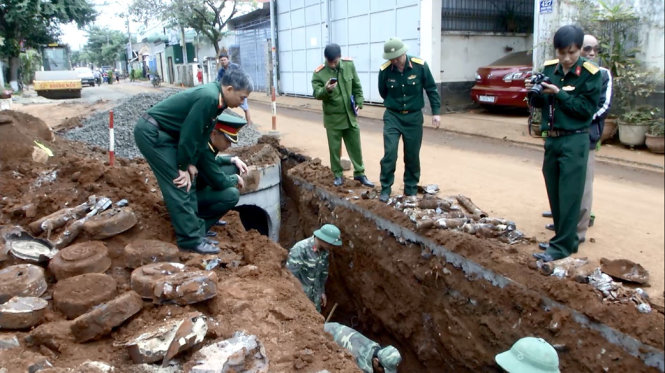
<point>418,60</point>
<point>593,69</point>
<point>568,88</point>
<point>347,59</point>
<point>385,65</point>
<point>319,68</point>
<point>551,62</point>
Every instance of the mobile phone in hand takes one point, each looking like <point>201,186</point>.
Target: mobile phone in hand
<point>333,80</point>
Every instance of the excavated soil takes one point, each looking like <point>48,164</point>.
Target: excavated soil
<point>255,293</point>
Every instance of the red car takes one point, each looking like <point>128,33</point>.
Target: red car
<point>502,82</point>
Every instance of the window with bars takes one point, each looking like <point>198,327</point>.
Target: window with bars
<point>487,15</point>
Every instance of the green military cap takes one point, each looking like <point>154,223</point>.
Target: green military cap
<point>394,48</point>
<point>529,355</point>
<point>229,125</point>
<point>330,234</point>
<point>389,358</point>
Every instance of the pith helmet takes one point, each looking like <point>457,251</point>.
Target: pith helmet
<point>529,355</point>
<point>389,358</point>
<point>229,125</point>
<point>394,48</point>
<point>330,234</point>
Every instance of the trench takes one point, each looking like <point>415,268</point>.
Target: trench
<point>441,309</point>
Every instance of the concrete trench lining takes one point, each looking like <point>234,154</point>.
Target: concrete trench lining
<point>649,355</point>
<point>265,194</point>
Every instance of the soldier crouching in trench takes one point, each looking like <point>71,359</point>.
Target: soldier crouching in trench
<point>369,355</point>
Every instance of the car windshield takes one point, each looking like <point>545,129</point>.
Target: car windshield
<point>513,59</point>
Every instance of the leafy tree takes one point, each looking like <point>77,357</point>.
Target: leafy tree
<point>31,23</point>
<point>104,46</point>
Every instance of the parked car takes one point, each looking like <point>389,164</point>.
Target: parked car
<point>501,83</point>
<point>86,75</point>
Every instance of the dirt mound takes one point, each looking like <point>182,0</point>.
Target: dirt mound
<point>18,131</point>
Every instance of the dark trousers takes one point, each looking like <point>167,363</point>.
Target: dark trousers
<point>410,128</point>
<point>213,204</point>
<point>564,169</point>
<point>351,136</point>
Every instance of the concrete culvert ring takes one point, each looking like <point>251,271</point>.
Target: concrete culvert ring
<point>253,217</point>
<point>141,252</point>
<point>25,280</point>
<point>110,223</point>
<point>84,257</point>
<point>76,295</point>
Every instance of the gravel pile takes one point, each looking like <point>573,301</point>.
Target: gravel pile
<point>94,129</point>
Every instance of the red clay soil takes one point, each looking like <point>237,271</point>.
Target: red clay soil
<point>256,294</point>
<point>441,318</point>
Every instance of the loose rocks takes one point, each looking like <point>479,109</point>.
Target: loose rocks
<point>105,317</point>
<point>163,282</point>
<point>24,280</point>
<point>76,295</point>
<point>84,257</point>
<point>243,353</point>
<point>22,312</point>
<point>143,252</point>
<point>110,223</point>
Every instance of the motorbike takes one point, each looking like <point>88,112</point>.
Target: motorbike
<point>155,79</point>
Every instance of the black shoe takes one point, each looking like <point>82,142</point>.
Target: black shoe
<point>212,242</point>
<point>545,257</point>
<point>550,227</point>
<point>384,197</point>
<point>581,240</point>
<point>204,248</point>
<point>220,223</point>
<point>338,181</point>
<point>547,214</point>
<point>364,181</point>
<point>543,245</point>
<point>211,234</point>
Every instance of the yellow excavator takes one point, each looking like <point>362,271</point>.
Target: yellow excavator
<point>57,80</point>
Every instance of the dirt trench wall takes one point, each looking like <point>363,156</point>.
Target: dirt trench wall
<point>445,312</point>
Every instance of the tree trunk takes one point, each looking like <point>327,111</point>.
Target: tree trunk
<point>14,63</point>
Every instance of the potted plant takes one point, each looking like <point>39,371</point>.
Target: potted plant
<point>655,138</point>
<point>633,125</point>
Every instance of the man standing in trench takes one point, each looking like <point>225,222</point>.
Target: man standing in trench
<point>370,356</point>
<point>308,261</point>
<point>171,136</point>
<point>402,80</point>
<point>337,85</point>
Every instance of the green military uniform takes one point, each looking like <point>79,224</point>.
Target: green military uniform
<point>216,186</point>
<point>339,117</point>
<point>310,267</point>
<point>402,94</point>
<point>171,136</point>
<point>363,348</point>
<point>566,119</point>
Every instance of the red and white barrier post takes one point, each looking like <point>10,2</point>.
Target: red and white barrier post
<point>274,109</point>
<point>111,140</point>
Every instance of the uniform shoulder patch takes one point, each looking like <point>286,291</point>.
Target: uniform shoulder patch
<point>321,66</point>
<point>347,58</point>
<point>551,62</point>
<point>591,67</point>
<point>385,65</point>
<point>417,60</point>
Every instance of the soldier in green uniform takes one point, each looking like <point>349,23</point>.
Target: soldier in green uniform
<point>527,355</point>
<point>568,103</point>
<point>308,261</point>
<point>401,84</point>
<point>337,85</point>
<point>172,135</point>
<point>370,357</point>
<point>219,178</point>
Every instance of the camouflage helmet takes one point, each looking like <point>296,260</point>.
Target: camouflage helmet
<point>394,48</point>
<point>389,358</point>
<point>330,234</point>
<point>529,355</point>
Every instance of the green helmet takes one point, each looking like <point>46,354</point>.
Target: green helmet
<point>394,48</point>
<point>330,234</point>
<point>529,355</point>
<point>389,358</point>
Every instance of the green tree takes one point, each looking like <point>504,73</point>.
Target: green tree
<point>105,46</point>
<point>31,23</point>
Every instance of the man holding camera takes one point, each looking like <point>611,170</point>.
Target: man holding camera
<point>568,92</point>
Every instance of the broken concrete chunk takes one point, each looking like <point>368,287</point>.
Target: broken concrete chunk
<point>80,258</point>
<point>141,252</point>
<point>40,364</point>
<point>8,341</point>
<point>172,282</point>
<point>625,270</point>
<point>54,335</point>
<point>110,223</point>
<point>105,317</point>
<point>94,367</point>
<point>22,312</point>
<point>76,295</point>
<point>242,353</point>
<point>24,280</point>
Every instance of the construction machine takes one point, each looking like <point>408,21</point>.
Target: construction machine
<point>57,80</point>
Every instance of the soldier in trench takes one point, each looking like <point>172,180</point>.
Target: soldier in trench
<point>529,354</point>
<point>369,355</point>
<point>308,261</point>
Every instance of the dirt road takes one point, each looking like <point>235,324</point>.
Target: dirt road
<point>506,180</point>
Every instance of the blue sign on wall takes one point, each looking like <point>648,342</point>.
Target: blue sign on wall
<point>546,6</point>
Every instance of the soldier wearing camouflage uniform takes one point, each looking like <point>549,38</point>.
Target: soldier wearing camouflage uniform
<point>370,357</point>
<point>308,261</point>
